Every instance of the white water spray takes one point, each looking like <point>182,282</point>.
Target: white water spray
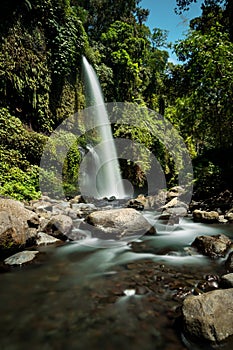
<point>108,181</point>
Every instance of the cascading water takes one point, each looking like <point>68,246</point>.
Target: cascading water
<point>108,181</point>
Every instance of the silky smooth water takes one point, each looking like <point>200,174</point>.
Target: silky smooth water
<point>77,295</point>
<point>107,180</point>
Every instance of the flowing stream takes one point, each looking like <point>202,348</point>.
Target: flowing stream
<point>83,296</point>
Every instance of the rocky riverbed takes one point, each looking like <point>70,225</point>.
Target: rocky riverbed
<point>77,275</point>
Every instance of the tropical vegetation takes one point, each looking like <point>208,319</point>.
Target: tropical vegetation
<point>41,84</point>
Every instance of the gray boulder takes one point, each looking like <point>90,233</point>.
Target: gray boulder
<point>213,246</point>
<point>18,226</point>
<point>118,223</point>
<point>44,239</point>
<point>208,317</point>
<point>59,226</point>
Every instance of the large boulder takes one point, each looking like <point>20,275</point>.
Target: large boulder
<point>213,246</point>
<point>59,226</point>
<point>208,217</point>
<point>18,226</point>
<point>208,317</point>
<point>118,223</point>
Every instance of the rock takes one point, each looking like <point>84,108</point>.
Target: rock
<point>17,225</point>
<point>211,283</point>
<point>70,212</point>
<point>118,223</point>
<point>172,215</point>
<point>229,263</point>
<point>83,209</point>
<point>227,281</point>
<point>172,203</point>
<point>60,208</point>
<point>41,206</point>
<point>135,204</point>
<point>44,239</point>
<point>208,317</point>
<point>213,246</point>
<point>229,215</point>
<point>147,202</point>
<point>222,219</point>
<point>77,199</point>
<point>59,226</point>
<point>175,191</point>
<point>21,257</point>
<point>205,216</point>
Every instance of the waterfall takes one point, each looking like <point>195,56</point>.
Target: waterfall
<point>108,180</point>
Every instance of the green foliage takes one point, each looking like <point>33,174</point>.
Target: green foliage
<point>41,46</point>
<point>136,65</point>
<point>60,168</point>
<point>20,152</point>
<point>209,71</point>
<point>15,137</point>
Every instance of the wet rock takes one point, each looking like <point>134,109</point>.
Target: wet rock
<point>182,293</point>
<point>44,239</point>
<point>229,215</point>
<point>17,225</point>
<point>229,263</point>
<point>208,317</point>
<point>227,281</point>
<point>21,258</point>
<point>211,283</point>
<point>120,222</point>
<point>172,215</point>
<point>213,246</point>
<point>59,226</point>
<point>209,217</point>
<point>142,247</point>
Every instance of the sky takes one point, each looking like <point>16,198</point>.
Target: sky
<point>162,15</point>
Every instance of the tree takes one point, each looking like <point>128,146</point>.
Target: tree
<point>227,5</point>
<point>40,53</point>
<point>102,13</point>
<point>199,98</point>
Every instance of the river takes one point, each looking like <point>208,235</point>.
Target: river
<point>82,295</point>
